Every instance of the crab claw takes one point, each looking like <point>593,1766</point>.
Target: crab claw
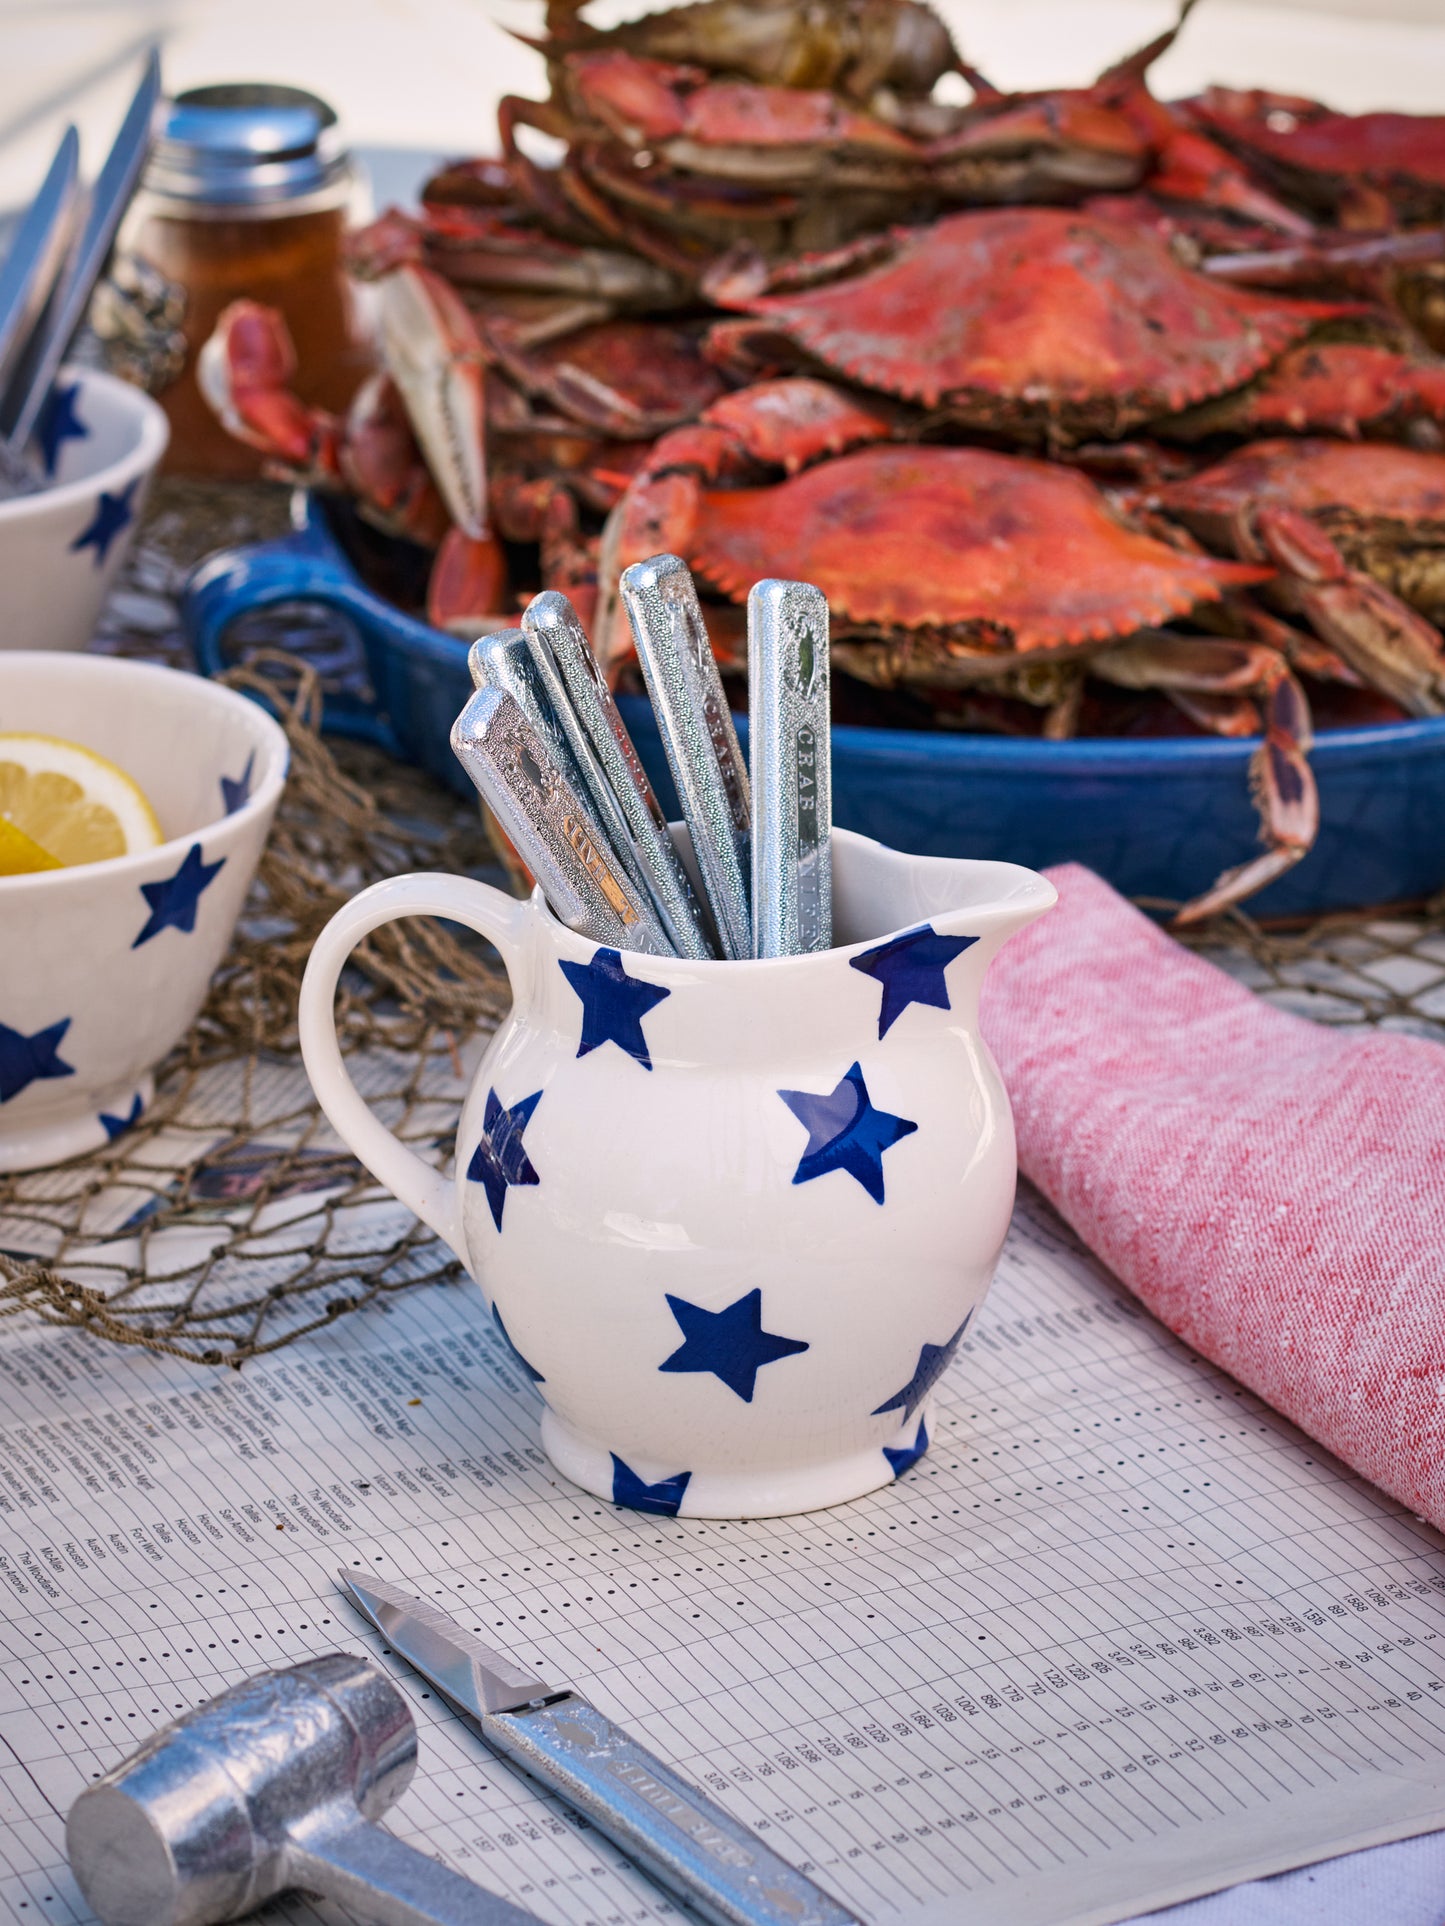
<point>468,585</point>
<point>244,371</point>
<point>1283,788</point>
<point>1397,651</point>
<point>433,354</point>
<point>1209,677</point>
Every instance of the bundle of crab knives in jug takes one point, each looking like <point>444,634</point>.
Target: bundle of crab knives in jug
<point>1088,412</point>
<point>544,743</point>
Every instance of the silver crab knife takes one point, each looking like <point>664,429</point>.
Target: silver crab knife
<point>682,679</point>
<point>789,735</point>
<point>573,678</point>
<point>701,1854</point>
<point>552,826</point>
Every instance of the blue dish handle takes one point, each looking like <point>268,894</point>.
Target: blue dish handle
<point>305,566</point>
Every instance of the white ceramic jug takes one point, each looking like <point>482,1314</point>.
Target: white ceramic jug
<point>733,1218</point>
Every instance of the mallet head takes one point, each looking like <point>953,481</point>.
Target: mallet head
<point>195,1827</point>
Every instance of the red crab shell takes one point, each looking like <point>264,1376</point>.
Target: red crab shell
<point>1037,316</point>
<point>1323,153</point>
<point>1361,483</point>
<point>955,539</point>
<point>1331,387</point>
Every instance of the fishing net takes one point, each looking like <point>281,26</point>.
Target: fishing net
<point>230,1220</point>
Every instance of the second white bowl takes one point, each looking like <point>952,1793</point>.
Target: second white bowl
<point>100,441</point>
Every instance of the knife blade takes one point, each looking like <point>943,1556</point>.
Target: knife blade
<point>37,253</point>
<point>114,187</point>
<point>712,1862</point>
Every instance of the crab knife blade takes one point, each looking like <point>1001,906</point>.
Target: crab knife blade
<point>470,1673</point>
<point>713,1862</point>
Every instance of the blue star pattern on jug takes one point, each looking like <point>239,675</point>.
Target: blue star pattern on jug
<point>613,1004</point>
<point>500,1162</point>
<point>30,1059</point>
<point>731,1343</point>
<point>174,900</point>
<point>116,1126</point>
<point>904,1458</point>
<point>59,423</point>
<point>235,791</point>
<point>933,1361</point>
<point>628,1489</point>
<point>911,970</point>
<point>845,1132</point>
<point>112,514</point>
<point>531,1370</point>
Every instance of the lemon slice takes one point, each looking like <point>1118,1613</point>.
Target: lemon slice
<point>61,805</point>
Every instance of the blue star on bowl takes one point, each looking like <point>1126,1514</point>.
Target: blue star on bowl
<point>174,900</point>
<point>117,1126</point>
<point>845,1132</point>
<point>59,423</point>
<point>112,514</point>
<point>30,1059</point>
<point>236,790</point>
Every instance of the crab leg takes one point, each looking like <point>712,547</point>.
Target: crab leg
<point>1207,677</point>
<point>1397,651</point>
<point>433,354</point>
<point>1358,261</point>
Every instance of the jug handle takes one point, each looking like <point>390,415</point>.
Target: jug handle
<point>503,920</point>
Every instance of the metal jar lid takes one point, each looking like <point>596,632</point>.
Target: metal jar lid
<point>248,145</point>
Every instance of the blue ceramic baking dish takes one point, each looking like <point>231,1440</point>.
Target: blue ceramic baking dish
<point>1157,818</point>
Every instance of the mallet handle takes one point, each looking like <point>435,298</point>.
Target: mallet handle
<point>389,1882</point>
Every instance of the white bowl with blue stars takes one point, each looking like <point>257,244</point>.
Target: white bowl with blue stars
<point>98,445</point>
<point>733,1219</point>
<point>104,966</point>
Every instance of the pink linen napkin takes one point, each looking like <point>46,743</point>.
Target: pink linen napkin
<point>1274,1191</point>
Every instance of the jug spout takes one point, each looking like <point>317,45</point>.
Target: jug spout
<point>878,891</point>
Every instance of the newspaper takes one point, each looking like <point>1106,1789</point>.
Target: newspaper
<point>1122,1637</point>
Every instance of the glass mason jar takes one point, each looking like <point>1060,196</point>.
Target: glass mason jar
<point>248,193</point>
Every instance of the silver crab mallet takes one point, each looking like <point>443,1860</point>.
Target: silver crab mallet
<point>789,736</point>
<point>272,1786</point>
<point>573,678</point>
<point>553,829</point>
<point>682,679</point>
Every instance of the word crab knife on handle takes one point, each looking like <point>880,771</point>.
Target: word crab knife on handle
<point>701,1854</point>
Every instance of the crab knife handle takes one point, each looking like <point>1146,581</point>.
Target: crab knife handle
<point>711,1861</point>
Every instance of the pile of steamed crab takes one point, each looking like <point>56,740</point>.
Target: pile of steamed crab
<point>1087,411</point>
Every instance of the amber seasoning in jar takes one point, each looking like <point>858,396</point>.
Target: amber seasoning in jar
<point>248,192</point>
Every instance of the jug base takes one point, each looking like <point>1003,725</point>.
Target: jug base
<point>744,1493</point>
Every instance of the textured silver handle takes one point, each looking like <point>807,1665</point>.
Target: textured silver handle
<point>385,1880</point>
<point>709,1859</point>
